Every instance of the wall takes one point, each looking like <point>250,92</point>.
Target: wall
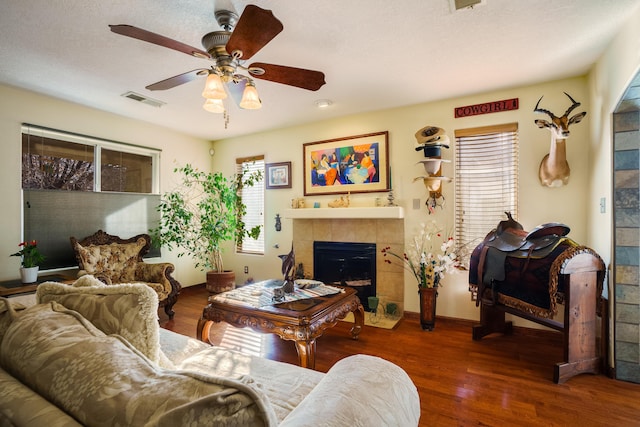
<point>19,106</point>
<point>608,81</point>
<point>537,204</point>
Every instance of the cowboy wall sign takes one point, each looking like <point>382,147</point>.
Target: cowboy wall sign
<point>486,108</point>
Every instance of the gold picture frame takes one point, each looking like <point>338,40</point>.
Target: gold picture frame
<point>353,164</point>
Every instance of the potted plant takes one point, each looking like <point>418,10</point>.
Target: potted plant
<point>30,263</point>
<point>428,266</point>
<point>202,213</point>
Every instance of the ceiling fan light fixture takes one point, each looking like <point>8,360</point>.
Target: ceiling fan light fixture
<point>213,87</point>
<point>250,99</point>
<point>214,106</point>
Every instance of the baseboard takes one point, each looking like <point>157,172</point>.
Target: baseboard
<point>517,330</point>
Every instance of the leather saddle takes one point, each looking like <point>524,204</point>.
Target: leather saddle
<point>510,239</point>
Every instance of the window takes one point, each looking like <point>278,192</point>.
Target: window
<point>253,198</point>
<point>486,181</point>
<point>125,172</point>
<point>74,185</point>
<point>56,160</point>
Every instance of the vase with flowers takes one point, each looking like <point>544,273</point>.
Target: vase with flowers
<point>430,255</point>
<point>31,259</point>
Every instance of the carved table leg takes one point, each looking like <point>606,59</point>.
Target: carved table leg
<point>358,321</point>
<point>203,329</point>
<point>307,353</point>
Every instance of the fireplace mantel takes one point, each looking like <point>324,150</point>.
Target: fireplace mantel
<point>393,212</point>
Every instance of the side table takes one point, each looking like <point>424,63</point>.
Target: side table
<point>14,287</point>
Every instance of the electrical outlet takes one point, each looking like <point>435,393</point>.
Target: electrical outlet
<point>246,269</point>
<point>603,204</point>
<point>416,203</point>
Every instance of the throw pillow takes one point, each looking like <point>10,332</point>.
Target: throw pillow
<point>103,381</point>
<point>88,280</point>
<point>127,309</point>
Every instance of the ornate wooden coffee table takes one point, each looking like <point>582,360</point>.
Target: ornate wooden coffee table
<point>301,321</point>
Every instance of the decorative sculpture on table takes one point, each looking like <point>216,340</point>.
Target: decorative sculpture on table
<point>288,271</point>
<point>554,169</point>
<point>342,202</point>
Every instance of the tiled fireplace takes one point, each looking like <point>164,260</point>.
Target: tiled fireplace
<point>381,231</point>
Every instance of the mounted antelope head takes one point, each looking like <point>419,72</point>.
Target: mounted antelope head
<point>554,169</point>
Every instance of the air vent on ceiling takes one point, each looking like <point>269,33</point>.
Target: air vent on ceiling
<point>143,99</point>
<point>457,5</point>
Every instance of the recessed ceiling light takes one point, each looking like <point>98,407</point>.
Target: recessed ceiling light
<point>323,103</point>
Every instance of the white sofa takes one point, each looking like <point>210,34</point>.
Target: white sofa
<point>94,355</point>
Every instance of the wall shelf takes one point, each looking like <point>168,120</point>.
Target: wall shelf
<point>389,212</point>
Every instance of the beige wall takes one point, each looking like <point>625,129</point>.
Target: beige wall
<point>607,83</point>
<point>19,106</point>
<point>537,205</point>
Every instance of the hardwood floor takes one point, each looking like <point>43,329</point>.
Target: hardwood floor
<point>498,381</point>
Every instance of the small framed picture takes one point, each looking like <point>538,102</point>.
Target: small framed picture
<point>278,175</point>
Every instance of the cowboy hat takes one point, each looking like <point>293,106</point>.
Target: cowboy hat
<point>432,149</point>
<point>429,134</point>
<point>432,166</point>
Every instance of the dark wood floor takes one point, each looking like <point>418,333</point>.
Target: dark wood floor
<point>498,381</point>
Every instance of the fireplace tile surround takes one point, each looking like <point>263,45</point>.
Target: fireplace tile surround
<point>381,231</point>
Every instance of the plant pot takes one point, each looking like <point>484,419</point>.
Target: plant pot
<point>218,282</point>
<point>428,298</point>
<point>29,274</point>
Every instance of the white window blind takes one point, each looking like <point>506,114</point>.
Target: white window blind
<point>486,181</point>
<point>253,198</point>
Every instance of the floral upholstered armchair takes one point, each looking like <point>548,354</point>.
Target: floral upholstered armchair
<point>114,260</point>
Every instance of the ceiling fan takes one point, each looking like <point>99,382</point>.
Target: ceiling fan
<point>239,39</point>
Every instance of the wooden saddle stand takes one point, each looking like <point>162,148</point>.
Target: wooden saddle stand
<point>526,275</point>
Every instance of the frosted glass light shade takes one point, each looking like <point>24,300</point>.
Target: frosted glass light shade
<point>214,106</point>
<point>250,99</point>
<point>213,88</point>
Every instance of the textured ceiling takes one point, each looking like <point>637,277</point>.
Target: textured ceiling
<point>376,54</point>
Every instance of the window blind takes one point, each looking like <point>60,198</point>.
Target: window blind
<point>253,198</point>
<point>486,181</point>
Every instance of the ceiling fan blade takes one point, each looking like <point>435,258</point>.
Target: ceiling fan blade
<point>178,80</point>
<point>148,36</point>
<point>255,28</point>
<point>298,77</point>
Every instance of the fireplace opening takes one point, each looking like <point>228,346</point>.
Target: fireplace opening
<point>347,264</point>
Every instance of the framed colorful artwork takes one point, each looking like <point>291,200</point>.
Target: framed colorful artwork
<point>353,164</point>
<point>278,175</point>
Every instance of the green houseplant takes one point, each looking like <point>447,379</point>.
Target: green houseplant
<point>201,214</point>
<point>30,261</point>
